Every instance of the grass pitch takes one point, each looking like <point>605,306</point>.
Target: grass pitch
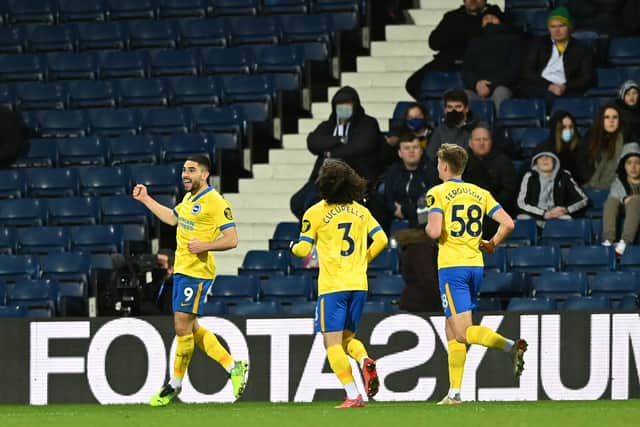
<point>386,414</point>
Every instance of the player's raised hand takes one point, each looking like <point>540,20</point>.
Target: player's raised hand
<point>487,246</point>
<point>140,192</point>
<point>195,246</point>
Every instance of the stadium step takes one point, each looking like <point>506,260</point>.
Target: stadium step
<point>291,156</point>
<point>400,48</point>
<point>295,141</point>
<point>375,79</point>
<point>270,171</point>
<point>377,94</point>
<point>427,16</point>
<point>251,200</point>
<point>263,214</point>
<point>392,63</point>
<point>408,32</point>
<point>288,186</point>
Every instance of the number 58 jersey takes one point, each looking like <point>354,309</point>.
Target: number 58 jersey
<point>463,207</point>
<point>340,233</point>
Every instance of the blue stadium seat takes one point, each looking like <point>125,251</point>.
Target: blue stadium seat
<point>23,67</point>
<point>583,109</point>
<point>436,83</point>
<point>533,259</point>
<point>123,210</point>
<point>12,184</point>
<point>306,28</point>
<point>343,21</point>
<point>132,149</point>
<point>218,120</point>
<point>615,285</point>
<point>234,7</point>
<point>286,289</point>
<point>182,9</point>
<point>624,51</point>
<point>81,10</point>
<point>168,63</point>
<point>33,294</point>
<point>255,111</point>
<point>152,35</point>
<point>590,259</point>
<point>52,182</point>
<point>136,237</point>
<point>278,59</point>
<point>8,243</point>
<point>283,235</point>
<point>235,289</point>
<point>262,308</point>
<point>23,213</point>
<point>535,305</point>
<point>12,311</point>
<point>165,121</point>
<point>559,285</point>
<point>488,304</point>
<point>179,147</point>
<point>386,288</point>
<point>62,124</point>
<point>483,110</point>
<point>158,179</point>
<point>16,267</point>
<point>31,12</point>
<point>187,91</point>
<point>101,262</point>
<point>103,181</point>
<point>564,233</point>
<point>527,139</point>
<point>376,307</point>
<point>231,60</point>
<point>132,9</point>
<point>88,151</point>
<point>213,308</point>
<point>142,93</point>
<point>48,38</point>
<point>42,240</point>
<point>324,6</point>
<point>528,4</point>
<point>497,261</point>
<point>502,285</point>
<point>93,36</point>
<point>264,264</point>
<point>596,202</point>
<point>107,122</point>
<point>306,309</point>
<point>96,239</point>
<point>73,211</point>
<point>521,113</point>
<point>313,51</point>
<point>386,263</point>
<point>273,7</point>
<point>524,234</point>
<point>609,80</point>
<point>253,30</point>
<point>627,303</point>
<point>576,303</point>
<point>90,94</point>
<point>630,260</point>
<point>121,65</point>
<point>254,88</point>
<point>12,40</point>
<point>72,299</point>
<point>66,267</point>
<point>202,33</point>
<point>71,66</point>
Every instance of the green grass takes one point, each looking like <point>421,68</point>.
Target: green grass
<point>405,414</point>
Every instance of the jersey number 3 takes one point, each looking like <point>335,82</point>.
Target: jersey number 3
<point>346,227</point>
<point>473,226</point>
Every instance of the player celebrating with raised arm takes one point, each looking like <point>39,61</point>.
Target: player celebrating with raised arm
<point>340,227</point>
<point>205,224</point>
<point>456,210</point>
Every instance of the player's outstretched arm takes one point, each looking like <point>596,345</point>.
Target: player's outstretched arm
<point>380,241</point>
<point>504,230</point>
<point>163,213</point>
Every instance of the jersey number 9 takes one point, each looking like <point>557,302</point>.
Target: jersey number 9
<point>473,226</point>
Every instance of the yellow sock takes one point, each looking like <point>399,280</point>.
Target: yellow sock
<point>340,363</point>
<point>208,342</point>
<point>457,357</point>
<point>486,337</point>
<point>354,348</point>
<point>184,352</point>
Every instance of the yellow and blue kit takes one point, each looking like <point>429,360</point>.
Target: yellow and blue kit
<point>460,263</point>
<point>340,233</point>
<point>202,216</point>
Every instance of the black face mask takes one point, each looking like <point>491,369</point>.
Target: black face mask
<point>453,118</point>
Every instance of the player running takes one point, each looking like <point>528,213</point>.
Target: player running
<point>456,211</point>
<point>340,227</point>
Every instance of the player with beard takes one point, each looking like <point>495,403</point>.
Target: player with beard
<point>205,224</point>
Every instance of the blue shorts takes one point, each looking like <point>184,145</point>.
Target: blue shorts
<point>339,311</point>
<point>459,288</point>
<point>189,293</point>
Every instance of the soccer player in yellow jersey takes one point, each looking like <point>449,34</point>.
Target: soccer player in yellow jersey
<point>340,228</point>
<point>456,211</point>
<point>205,224</point>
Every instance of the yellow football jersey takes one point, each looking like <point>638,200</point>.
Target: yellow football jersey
<point>340,234</point>
<point>202,217</point>
<point>463,207</point>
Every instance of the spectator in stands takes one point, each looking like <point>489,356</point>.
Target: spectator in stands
<point>349,135</point>
<point>14,135</point>
<point>600,16</point>
<point>547,191</point>
<point>601,150</point>
<point>457,125</point>
<point>492,60</point>
<point>560,66</point>
<point>416,122</point>
<point>492,170</point>
<point>450,39</point>
<point>627,102</point>
<point>563,141</point>
<point>625,194</point>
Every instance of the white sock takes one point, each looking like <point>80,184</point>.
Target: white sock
<point>352,390</point>
<point>453,392</point>
<point>176,383</point>
<point>508,345</point>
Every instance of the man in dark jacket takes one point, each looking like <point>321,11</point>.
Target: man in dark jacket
<point>450,39</point>
<point>492,60</point>
<point>349,135</point>
<point>492,170</point>
<point>559,66</point>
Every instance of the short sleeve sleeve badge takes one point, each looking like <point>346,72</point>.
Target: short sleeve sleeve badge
<point>430,200</point>
<point>306,225</point>
<point>228,214</point>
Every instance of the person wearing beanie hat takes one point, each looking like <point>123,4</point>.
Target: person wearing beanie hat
<point>629,105</point>
<point>560,14</point>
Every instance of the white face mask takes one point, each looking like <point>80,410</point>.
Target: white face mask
<point>567,134</point>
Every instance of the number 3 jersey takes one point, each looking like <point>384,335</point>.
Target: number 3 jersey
<point>201,217</point>
<point>340,233</point>
<point>463,207</point>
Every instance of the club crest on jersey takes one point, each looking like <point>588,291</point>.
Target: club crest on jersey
<point>196,209</point>
<point>227,214</point>
<point>306,225</point>
<point>430,200</point>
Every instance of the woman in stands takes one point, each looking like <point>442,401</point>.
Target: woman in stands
<point>629,105</point>
<point>563,141</point>
<point>416,122</point>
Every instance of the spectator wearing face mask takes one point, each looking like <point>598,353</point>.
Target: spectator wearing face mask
<point>563,141</point>
<point>627,102</point>
<point>416,122</point>
<point>457,125</point>
<point>349,135</point>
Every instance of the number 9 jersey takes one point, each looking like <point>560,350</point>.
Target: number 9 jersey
<point>463,207</point>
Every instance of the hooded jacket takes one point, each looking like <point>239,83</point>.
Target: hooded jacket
<point>362,141</point>
<point>564,191</point>
<point>569,159</point>
<point>620,187</point>
<point>443,134</point>
<point>629,116</point>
